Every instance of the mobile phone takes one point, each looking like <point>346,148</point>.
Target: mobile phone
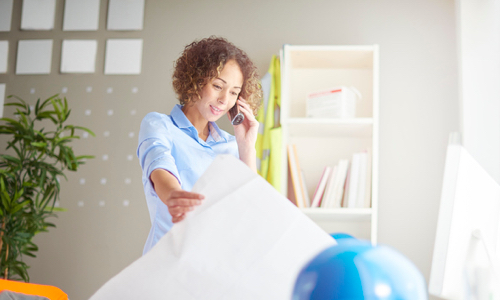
<point>236,116</point>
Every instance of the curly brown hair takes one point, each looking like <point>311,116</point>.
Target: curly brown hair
<point>203,60</point>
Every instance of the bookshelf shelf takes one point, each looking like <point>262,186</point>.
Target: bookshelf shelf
<point>340,214</point>
<point>332,57</point>
<point>321,142</point>
<point>357,127</point>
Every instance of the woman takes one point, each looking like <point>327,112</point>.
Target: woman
<point>210,77</point>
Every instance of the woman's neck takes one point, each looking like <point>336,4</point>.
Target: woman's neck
<point>198,121</point>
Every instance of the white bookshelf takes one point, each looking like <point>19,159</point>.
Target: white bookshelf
<point>322,142</point>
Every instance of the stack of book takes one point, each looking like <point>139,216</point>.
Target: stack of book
<point>346,184</point>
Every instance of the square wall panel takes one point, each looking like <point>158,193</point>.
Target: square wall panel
<point>34,57</point>
<point>4,54</point>
<point>125,14</point>
<point>123,56</point>
<point>78,56</point>
<point>5,14</point>
<point>38,14</point>
<point>81,15</point>
<point>2,98</point>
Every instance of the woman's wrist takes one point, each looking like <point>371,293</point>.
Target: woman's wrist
<point>247,151</point>
<point>249,157</point>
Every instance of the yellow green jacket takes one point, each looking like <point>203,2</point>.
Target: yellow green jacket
<point>268,144</point>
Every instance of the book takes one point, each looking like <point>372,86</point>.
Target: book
<point>289,189</point>
<point>329,188</point>
<point>302,186</point>
<point>338,190</point>
<point>296,181</point>
<point>368,194</point>
<point>360,201</point>
<point>305,194</point>
<point>353,182</point>
<point>320,188</point>
<point>346,188</point>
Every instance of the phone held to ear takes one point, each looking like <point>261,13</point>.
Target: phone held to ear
<point>236,116</point>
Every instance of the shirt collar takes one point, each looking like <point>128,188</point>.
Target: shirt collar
<point>179,117</point>
<point>215,132</point>
<point>182,121</point>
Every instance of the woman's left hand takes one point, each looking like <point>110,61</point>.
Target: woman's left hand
<point>246,132</point>
<point>246,135</point>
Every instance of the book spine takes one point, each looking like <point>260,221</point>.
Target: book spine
<point>368,193</point>
<point>320,189</point>
<point>295,176</point>
<point>345,197</point>
<point>302,188</point>
<point>339,192</point>
<point>353,184</point>
<point>362,180</point>
<point>329,188</point>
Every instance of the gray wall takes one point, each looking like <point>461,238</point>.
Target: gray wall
<point>418,96</point>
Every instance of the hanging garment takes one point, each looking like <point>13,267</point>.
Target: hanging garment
<point>269,138</point>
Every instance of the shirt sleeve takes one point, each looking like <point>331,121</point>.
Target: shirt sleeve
<point>155,146</point>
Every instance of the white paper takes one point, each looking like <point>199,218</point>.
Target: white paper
<point>34,57</point>
<point>2,98</point>
<point>123,56</point>
<point>38,14</point>
<point>5,14</point>
<point>81,15</point>
<point>246,241</point>
<point>4,54</point>
<point>125,14</point>
<point>78,56</point>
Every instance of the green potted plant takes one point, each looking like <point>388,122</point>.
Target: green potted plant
<point>29,176</point>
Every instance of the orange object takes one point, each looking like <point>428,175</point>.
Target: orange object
<point>47,291</point>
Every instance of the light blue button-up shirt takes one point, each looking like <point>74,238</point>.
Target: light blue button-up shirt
<point>172,143</point>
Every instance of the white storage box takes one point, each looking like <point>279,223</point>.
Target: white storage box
<point>339,102</point>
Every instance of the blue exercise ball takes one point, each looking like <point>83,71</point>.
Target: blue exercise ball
<point>355,269</point>
<point>341,237</point>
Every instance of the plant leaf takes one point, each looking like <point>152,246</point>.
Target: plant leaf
<point>19,206</point>
<point>19,99</point>
<point>10,158</point>
<point>15,104</point>
<point>39,144</point>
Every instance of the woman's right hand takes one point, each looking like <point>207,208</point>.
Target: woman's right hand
<point>180,202</point>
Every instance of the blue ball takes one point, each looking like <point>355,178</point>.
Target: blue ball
<point>341,237</point>
<point>355,269</point>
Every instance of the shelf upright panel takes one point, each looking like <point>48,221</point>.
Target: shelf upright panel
<point>375,150</point>
<point>284,113</point>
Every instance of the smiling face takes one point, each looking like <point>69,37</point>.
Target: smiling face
<point>217,96</point>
